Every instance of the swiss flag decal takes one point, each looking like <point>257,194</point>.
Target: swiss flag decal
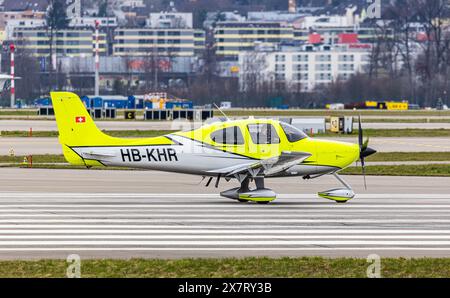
<point>80,119</point>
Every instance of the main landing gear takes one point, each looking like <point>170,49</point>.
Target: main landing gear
<point>260,195</point>
<point>339,195</point>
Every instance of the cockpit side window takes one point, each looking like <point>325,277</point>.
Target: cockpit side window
<point>263,134</point>
<point>230,136</point>
<point>292,133</point>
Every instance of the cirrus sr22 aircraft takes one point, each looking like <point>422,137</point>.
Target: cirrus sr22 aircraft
<point>248,150</point>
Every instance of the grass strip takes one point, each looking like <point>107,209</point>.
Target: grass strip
<point>432,170</point>
<point>311,267</point>
<point>409,156</point>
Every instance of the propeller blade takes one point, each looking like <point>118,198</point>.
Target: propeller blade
<point>364,176</point>
<point>364,150</point>
<point>360,134</point>
<point>365,145</point>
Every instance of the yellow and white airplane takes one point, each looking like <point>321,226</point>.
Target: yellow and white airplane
<point>246,150</point>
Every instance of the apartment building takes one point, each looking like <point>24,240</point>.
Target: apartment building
<point>232,38</point>
<point>67,42</point>
<point>169,42</point>
<point>304,68</point>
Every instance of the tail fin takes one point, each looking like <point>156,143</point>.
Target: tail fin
<point>77,129</point>
<point>75,125</point>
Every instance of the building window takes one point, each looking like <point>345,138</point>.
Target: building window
<point>323,67</point>
<point>346,67</point>
<point>346,58</point>
<point>301,58</point>
<point>280,67</point>
<point>300,67</point>
<point>280,58</point>
<point>323,77</point>
<point>323,58</point>
<point>280,76</point>
<point>301,77</point>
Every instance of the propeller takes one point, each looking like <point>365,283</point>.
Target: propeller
<point>364,150</point>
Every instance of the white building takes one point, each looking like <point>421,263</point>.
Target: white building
<point>11,25</point>
<point>302,69</point>
<point>350,19</point>
<point>170,20</point>
<point>131,3</point>
<point>89,22</point>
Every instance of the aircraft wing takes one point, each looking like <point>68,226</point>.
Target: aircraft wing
<point>268,166</point>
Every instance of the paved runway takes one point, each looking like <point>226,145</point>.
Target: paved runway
<point>122,214</point>
<point>28,146</point>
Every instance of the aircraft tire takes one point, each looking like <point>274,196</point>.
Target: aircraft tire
<point>263,202</point>
<point>243,201</point>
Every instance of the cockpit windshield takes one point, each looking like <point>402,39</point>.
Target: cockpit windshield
<point>293,134</point>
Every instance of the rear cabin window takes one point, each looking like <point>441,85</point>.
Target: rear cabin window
<point>230,136</point>
<point>292,133</point>
<point>263,134</point>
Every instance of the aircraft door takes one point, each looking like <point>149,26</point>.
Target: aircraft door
<point>264,141</point>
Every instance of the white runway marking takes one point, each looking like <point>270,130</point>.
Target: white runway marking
<point>165,225</point>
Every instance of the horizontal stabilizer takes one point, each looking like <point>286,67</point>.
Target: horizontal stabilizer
<point>97,153</point>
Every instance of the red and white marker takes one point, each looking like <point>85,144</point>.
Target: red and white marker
<point>97,58</point>
<point>13,89</point>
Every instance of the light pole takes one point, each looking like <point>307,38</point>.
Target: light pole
<point>97,59</point>
<point>13,91</point>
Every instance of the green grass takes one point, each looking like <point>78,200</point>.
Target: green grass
<point>48,158</point>
<point>24,112</point>
<point>410,156</point>
<point>404,120</point>
<point>393,133</point>
<point>432,170</point>
<point>312,267</point>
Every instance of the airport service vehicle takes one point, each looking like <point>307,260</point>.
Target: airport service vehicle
<point>248,151</point>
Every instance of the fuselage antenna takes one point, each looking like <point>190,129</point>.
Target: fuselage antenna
<point>220,110</point>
